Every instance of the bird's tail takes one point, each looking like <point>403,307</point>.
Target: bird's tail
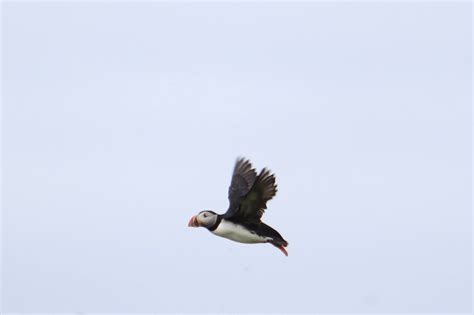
<point>280,244</point>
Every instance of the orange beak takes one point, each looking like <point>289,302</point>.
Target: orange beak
<point>193,222</point>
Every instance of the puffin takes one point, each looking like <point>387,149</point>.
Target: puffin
<point>248,195</point>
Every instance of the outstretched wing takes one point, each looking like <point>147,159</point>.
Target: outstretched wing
<point>253,205</point>
<point>243,178</point>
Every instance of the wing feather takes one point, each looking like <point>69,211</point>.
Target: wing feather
<point>243,178</point>
<point>249,203</point>
<point>254,205</point>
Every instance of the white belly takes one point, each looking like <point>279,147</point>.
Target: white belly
<point>237,233</point>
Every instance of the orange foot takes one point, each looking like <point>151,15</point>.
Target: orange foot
<point>283,250</point>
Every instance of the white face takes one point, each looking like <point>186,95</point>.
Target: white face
<point>206,218</point>
<point>203,218</point>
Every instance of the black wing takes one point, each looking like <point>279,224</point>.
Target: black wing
<point>243,179</point>
<point>253,205</point>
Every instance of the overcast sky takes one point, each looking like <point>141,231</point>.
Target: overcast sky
<point>122,120</point>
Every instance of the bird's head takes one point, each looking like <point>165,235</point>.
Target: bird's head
<point>204,218</point>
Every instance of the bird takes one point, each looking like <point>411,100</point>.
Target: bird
<point>248,195</point>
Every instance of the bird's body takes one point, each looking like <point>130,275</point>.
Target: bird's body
<point>248,194</point>
<point>239,233</point>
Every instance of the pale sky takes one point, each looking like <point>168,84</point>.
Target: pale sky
<point>122,120</point>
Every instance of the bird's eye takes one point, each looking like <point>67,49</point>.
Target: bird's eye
<point>205,215</point>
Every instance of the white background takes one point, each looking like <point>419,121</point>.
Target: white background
<point>122,120</point>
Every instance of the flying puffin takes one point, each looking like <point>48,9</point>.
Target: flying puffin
<point>248,196</point>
